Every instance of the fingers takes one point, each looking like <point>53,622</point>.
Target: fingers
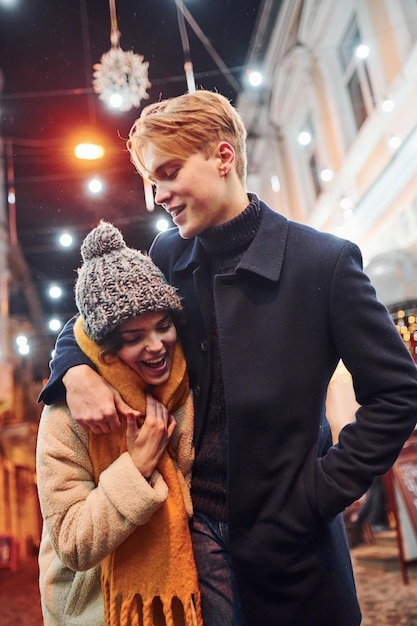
<point>122,409</point>
<point>156,413</point>
<point>96,422</point>
<point>100,419</point>
<point>132,427</point>
<point>147,443</point>
<point>96,429</point>
<point>93,403</point>
<point>112,423</point>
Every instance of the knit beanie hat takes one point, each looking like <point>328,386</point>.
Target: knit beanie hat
<point>116,283</point>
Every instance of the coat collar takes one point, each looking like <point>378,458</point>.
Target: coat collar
<point>264,255</point>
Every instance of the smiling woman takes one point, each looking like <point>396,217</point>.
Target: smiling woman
<point>128,478</point>
<point>148,345</point>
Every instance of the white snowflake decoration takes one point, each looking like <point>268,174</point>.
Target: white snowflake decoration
<point>122,73</point>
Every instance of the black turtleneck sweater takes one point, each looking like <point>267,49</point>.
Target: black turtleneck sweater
<point>224,246</point>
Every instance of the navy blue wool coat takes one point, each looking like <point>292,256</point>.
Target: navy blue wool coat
<point>296,304</point>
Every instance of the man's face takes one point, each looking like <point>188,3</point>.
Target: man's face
<point>192,190</point>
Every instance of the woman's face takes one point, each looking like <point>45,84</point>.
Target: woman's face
<point>148,343</point>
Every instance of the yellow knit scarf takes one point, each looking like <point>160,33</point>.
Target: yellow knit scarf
<point>151,578</point>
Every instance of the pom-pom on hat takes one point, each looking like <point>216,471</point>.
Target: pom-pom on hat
<point>116,283</point>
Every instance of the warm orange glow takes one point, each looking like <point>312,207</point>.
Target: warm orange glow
<point>89,151</point>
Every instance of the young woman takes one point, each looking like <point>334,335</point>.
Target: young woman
<point>116,506</point>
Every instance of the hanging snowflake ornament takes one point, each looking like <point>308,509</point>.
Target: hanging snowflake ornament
<point>121,78</point>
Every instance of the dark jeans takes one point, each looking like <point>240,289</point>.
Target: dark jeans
<point>219,595</point>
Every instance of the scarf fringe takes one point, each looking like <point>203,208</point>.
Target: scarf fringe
<point>133,612</point>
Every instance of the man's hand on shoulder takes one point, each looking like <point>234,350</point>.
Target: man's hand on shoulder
<point>94,404</point>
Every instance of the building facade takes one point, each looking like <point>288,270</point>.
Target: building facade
<point>332,132</point>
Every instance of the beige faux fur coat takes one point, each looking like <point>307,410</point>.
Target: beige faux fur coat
<point>84,522</point>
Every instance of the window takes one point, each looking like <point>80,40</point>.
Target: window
<point>356,75</point>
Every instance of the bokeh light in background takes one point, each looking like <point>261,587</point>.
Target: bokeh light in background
<point>55,291</point>
<point>49,113</point>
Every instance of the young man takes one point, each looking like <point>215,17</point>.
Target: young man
<point>271,306</point>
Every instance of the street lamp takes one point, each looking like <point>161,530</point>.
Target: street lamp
<point>55,292</point>
<point>65,240</point>
<point>255,78</point>
<point>162,224</point>
<point>95,185</point>
<point>55,324</point>
<point>89,151</point>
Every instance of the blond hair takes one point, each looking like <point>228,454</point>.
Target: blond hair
<point>187,124</point>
